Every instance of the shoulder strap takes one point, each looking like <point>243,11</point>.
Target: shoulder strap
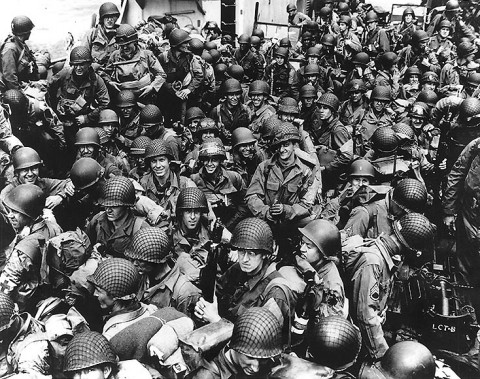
<point>137,225</point>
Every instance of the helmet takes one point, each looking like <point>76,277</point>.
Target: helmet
<point>311,69</point>
<point>108,9</point>
<point>178,36</point>
<point>107,116</point>
<point>311,26</point>
<point>356,85</point>
<point>469,108</point>
<point>308,91</point>
<point>412,70</point>
<point>139,145</point>
<point>429,77</point>
<point>465,49</point>
<point>362,167</point>
<point>328,40</point>
<point>210,45</point>
<point>474,79</point>
<point>404,129</point>
<point>244,39</point>
<point>306,36</point>
<point>7,311</point>
<point>125,98</point>
<point>387,60</point>
<point>80,54</point>
<point>343,7</point>
<point>21,25</point>
<point>371,16</point>
<point>126,34</point>
<point>192,198</point>
<point>231,86</point>
<point>325,12</point>
<point>85,172</point>
<point>255,41</point>
<point>25,157</point>
<point>345,19</point>
<point>235,71</point>
<point>87,136</point>
<point>414,231</point>
<point>284,132</point>
<point>16,99</point>
<point>428,97</point>
<point>269,125</point>
<point>150,115</point>
<point>408,10</point>
<point>313,52</point>
<point>150,244</point>
<point>196,46</point>
<point>118,276</point>
<point>419,36</point>
<point>27,199</point>
<point>215,54</point>
<point>291,7</point>
<point>253,234</point>
<point>118,191</point>
<point>207,124</point>
<point>211,25</point>
<point>259,87</point>
<point>410,194</point>
<point>381,93</point>
<point>324,235</point>
<point>207,57</point>
<point>219,71</point>
<point>258,33</point>
<point>361,58</point>
<point>384,140</point>
<point>158,148</point>
<point>408,360</point>
<point>88,349</point>
<point>288,105</point>
<point>445,24</point>
<point>329,100</point>
<point>281,52</point>
<point>285,42</point>
<point>257,334</point>
<point>452,6</point>
<point>212,148</point>
<point>193,113</point>
<point>242,136</point>
<point>334,342</point>
<point>419,110</point>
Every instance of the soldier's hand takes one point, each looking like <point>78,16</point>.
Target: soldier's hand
<point>69,187</point>
<point>183,94</point>
<point>449,222</point>
<point>207,311</point>
<point>277,210</point>
<point>52,201</point>
<point>115,86</point>
<point>80,120</point>
<point>147,90</point>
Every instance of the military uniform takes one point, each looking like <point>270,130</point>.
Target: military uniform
<point>252,66</point>
<point>375,42</point>
<point>282,79</point>
<point>100,44</point>
<point>259,116</point>
<point>229,119</point>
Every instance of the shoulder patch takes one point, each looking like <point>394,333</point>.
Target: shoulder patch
<point>374,292</point>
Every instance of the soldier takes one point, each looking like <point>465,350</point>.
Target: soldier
<point>18,63</point>
<point>369,268</point>
<point>129,112</point>
<point>101,39</point>
<point>21,276</point>
<point>418,54</point>
<point>361,70</point>
<point>388,74</point>
<point>115,143</point>
<point>260,109</point>
<point>374,39</point>
<point>114,228</point>
<point>410,88</point>
<point>429,81</point>
<point>441,44</point>
<point>245,57</point>
<point>136,157</point>
<point>317,76</point>
<point>348,43</point>
<point>406,28</point>
<point>352,110</point>
<point>192,118</point>
<point>295,17</point>
<point>281,76</point>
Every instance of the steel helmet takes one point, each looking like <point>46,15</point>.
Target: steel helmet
<point>125,99</point>
<point>419,110</point>
<point>324,235</point>
<point>362,167</point>
<point>244,39</point>
<point>80,55</point>
<point>207,124</point>
<point>7,311</point>
<point>452,6</point>
<point>210,45</point>
<point>16,99</point>
<point>196,46</point>
<point>219,70</point>
<point>465,49</point>
<point>410,195</point>
<point>361,58</point>
<point>329,100</point>
<point>193,113</point>
<point>253,234</point>
<point>412,70</point>
<point>85,172</point>
<point>291,7</point>
<point>257,333</point>
<point>311,69</point>
<point>150,115</point>
<point>118,192</point>
<point>88,349</point>
<point>27,199</point>
<point>334,342</point>
<point>325,12</point>
<point>328,40</point>
<point>308,91</point>
<point>25,157</point>
<point>313,52</point>
<point>269,125</point>
<point>343,7</point>
<point>235,71</point>
<point>108,9</point>
<point>87,136</point>
<point>285,42</point>
<point>242,136</point>
<point>212,148</point>
<point>207,57</point>
<point>381,93</point>
<point>21,25</point>
<point>428,97</point>
<point>345,19</point>
<point>474,79</point>
<point>371,16</point>
<point>178,36</point>
<point>388,59</point>
<point>429,77</point>
<point>284,132</point>
<point>258,33</point>
<point>108,116</point>
<point>414,231</point>
<point>118,276</point>
<point>227,39</point>
<point>158,148</point>
<point>408,10</point>
<point>404,130</point>
<point>281,52</point>
<point>288,105</point>
<point>255,41</point>
<point>150,244</point>
<point>126,34</point>
<point>469,110</point>
<point>355,85</point>
<point>384,140</point>
<point>259,87</point>
<point>311,26</point>
<point>139,145</point>
<point>419,36</point>
<point>231,86</point>
<point>215,55</point>
<point>192,198</point>
<point>445,24</point>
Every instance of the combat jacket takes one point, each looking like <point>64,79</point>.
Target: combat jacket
<point>375,42</point>
<point>297,192</point>
<point>350,116</point>
<point>130,128</point>
<point>69,98</point>
<point>21,275</point>
<point>101,47</point>
<point>259,116</point>
<point>450,79</point>
<point>348,50</point>
<point>183,69</point>
<point>252,66</point>
<point>283,80</point>
<point>369,270</point>
<point>18,63</point>
<point>426,61</point>
<point>120,320</point>
<point>245,168</point>
<point>50,187</point>
<point>371,122</point>
<point>385,79</point>
<point>442,47</point>
<point>229,119</point>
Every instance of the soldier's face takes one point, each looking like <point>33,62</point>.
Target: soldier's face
<point>356,96</point>
<point>309,251</point>
<point>109,21</point>
<point>342,26</point>
<point>286,117</point>
<point>104,299</point>
<point>17,220</point>
<point>378,105</point>
<point>109,129</point>
<point>126,112</point>
<point>250,261</point>
<point>247,150</point>
<point>211,164</point>
<point>257,100</point>
<point>444,32</point>
<point>244,47</point>
<point>408,18</point>
<point>429,86</point>
<point>86,151</point>
<point>191,219</point>
<point>308,102</point>
<point>207,135</point>
<point>115,213</point>
<point>285,150</point>
<point>359,181</point>
<point>193,125</point>
<point>150,130</point>
<point>312,60</point>
<point>372,25</point>
<point>143,267</point>
<point>160,166</point>
<point>80,69</point>
<point>414,80</point>
<point>96,372</point>
<point>325,112</point>
<point>183,48</point>
<point>28,175</point>
<point>280,60</point>
<point>417,122</point>
<point>233,99</point>
<point>312,79</point>
<point>128,50</point>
